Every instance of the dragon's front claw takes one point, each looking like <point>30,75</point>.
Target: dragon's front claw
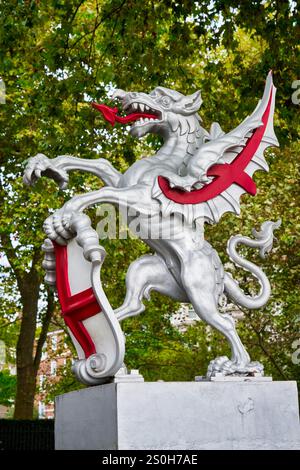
<point>57,226</point>
<point>61,223</point>
<point>40,165</point>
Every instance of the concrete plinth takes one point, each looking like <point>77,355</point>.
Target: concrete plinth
<point>179,415</point>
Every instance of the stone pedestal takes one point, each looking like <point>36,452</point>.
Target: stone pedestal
<point>179,415</point>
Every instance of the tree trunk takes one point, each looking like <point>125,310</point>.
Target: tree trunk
<point>26,384</point>
<point>26,369</point>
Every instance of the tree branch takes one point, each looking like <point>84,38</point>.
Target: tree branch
<point>263,348</point>
<point>71,21</point>
<point>76,11</point>
<point>9,323</point>
<point>45,327</point>
<point>96,26</point>
<point>11,256</point>
<point>36,258</point>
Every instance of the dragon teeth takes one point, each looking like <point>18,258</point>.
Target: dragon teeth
<point>139,107</point>
<point>142,121</point>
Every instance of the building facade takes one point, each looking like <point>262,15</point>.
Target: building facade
<point>55,355</point>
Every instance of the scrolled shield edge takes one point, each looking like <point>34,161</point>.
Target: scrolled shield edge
<point>75,270</point>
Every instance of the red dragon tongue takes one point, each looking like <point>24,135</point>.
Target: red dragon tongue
<point>110,114</point>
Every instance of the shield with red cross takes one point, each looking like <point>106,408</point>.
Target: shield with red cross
<point>88,315</point>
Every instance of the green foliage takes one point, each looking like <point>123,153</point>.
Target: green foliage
<point>67,382</point>
<point>57,56</point>
<point>8,384</point>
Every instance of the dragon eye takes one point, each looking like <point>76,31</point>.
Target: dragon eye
<point>165,101</point>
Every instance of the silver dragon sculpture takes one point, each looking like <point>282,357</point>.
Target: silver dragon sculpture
<point>195,177</point>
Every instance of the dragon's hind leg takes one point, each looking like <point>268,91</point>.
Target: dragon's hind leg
<point>198,279</point>
<point>147,273</point>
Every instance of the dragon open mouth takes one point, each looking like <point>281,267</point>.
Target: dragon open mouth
<point>139,112</point>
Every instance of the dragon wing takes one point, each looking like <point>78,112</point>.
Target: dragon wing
<point>226,164</point>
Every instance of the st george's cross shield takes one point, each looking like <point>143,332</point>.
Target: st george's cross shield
<point>75,270</point>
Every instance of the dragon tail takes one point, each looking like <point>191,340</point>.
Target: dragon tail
<point>264,242</point>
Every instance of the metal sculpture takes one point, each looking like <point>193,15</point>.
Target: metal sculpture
<point>195,177</point>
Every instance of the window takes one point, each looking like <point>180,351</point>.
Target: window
<point>53,368</point>
<point>41,409</point>
<point>54,343</point>
<point>44,352</point>
<point>42,381</point>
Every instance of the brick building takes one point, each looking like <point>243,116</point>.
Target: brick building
<point>54,357</point>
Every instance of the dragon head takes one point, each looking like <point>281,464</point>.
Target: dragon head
<point>162,112</point>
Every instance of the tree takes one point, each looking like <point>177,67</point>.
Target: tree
<point>56,57</point>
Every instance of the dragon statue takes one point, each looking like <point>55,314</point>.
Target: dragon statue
<point>195,177</point>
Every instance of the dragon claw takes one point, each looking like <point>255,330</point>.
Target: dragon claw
<point>57,226</point>
<point>39,165</point>
<point>234,367</point>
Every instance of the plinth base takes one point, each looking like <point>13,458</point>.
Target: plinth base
<point>179,415</point>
